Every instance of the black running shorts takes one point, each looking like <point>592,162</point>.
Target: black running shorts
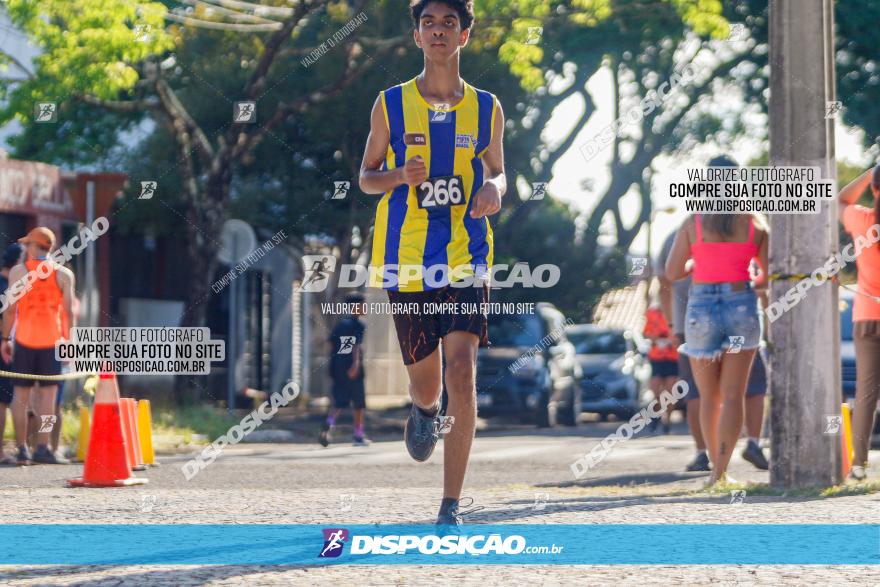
<point>35,362</point>
<point>420,328</point>
<point>349,392</point>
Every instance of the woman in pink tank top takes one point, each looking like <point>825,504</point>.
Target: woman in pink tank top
<point>723,322</point>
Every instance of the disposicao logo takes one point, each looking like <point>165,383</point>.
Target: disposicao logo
<point>334,540</point>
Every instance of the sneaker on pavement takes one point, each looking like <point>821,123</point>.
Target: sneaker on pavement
<point>45,456</point>
<point>360,441</point>
<point>324,436</point>
<point>420,433</point>
<point>23,456</point>
<point>450,514</point>
<point>753,454</point>
<point>700,463</point>
<point>857,473</point>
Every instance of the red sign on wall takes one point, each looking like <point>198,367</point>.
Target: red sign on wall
<point>28,187</point>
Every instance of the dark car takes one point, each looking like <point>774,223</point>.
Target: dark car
<point>529,371</point>
<point>847,347</point>
<point>615,374</point>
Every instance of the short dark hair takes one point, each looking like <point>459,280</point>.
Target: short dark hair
<point>12,255</point>
<point>464,8</point>
<point>723,161</point>
<point>355,298</point>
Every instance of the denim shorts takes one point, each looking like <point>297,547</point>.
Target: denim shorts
<point>719,319</point>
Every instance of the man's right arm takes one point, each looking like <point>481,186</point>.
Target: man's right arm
<point>666,297</point>
<point>373,180</point>
<point>16,274</point>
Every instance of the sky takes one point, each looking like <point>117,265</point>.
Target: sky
<point>572,169</point>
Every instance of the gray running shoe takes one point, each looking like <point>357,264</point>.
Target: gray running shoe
<point>421,434</point>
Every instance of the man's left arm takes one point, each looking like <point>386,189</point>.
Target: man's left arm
<point>67,290</point>
<point>355,369</point>
<point>16,276</point>
<point>487,200</point>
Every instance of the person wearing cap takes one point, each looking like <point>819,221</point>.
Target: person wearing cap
<point>11,257</point>
<point>42,297</point>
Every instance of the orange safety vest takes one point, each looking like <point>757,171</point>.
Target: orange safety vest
<point>38,321</point>
<point>656,326</point>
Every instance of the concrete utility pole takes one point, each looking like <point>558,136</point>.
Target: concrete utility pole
<point>805,357</point>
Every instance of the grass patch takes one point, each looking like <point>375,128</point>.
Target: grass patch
<point>189,420</point>
<point>763,489</point>
<point>69,426</point>
<point>183,422</point>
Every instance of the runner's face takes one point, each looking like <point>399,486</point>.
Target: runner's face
<point>439,34</point>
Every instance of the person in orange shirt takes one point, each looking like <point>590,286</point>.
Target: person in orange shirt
<point>663,356</point>
<point>858,222</point>
<point>37,318</point>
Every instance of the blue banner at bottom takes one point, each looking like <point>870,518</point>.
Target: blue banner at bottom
<point>531,544</point>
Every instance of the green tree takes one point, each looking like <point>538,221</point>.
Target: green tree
<point>119,56</point>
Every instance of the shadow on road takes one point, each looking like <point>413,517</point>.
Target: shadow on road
<point>657,478</point>
<point>180,576</point>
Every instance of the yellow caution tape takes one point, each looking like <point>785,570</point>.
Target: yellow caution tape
<point>62,377</point>
<point>787,276</point>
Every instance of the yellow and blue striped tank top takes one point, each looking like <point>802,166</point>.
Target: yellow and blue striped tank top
<point>451,139</point>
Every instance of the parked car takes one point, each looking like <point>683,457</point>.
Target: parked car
<point>847,346</point>
<point>615,373</point>
<point>529,370</point>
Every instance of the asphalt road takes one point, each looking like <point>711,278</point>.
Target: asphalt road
<point>515,455</point>
<point>519,475</point>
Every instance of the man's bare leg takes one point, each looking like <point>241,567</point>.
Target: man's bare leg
<point>693,417</point>
<point>20,400</point>
<point>754,415</point>
<point>2,427</point>
<point>45,407</point>
<point>460,349</point>
<point>424,381</point>
<point>754,419</point>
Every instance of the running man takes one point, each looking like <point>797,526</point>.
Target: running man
<point>347,371</point>
<point>435,152</point>
<point>37,317</point>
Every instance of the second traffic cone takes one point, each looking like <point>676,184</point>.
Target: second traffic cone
<point>106,461</point>
<point>129,430</point>
<point>83,442</point>
<point>132,414</point>
<point>145,432</point>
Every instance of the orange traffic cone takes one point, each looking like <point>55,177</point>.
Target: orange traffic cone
<point>126,434</point>
<point>129,429</point>
<point>106,460</point>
